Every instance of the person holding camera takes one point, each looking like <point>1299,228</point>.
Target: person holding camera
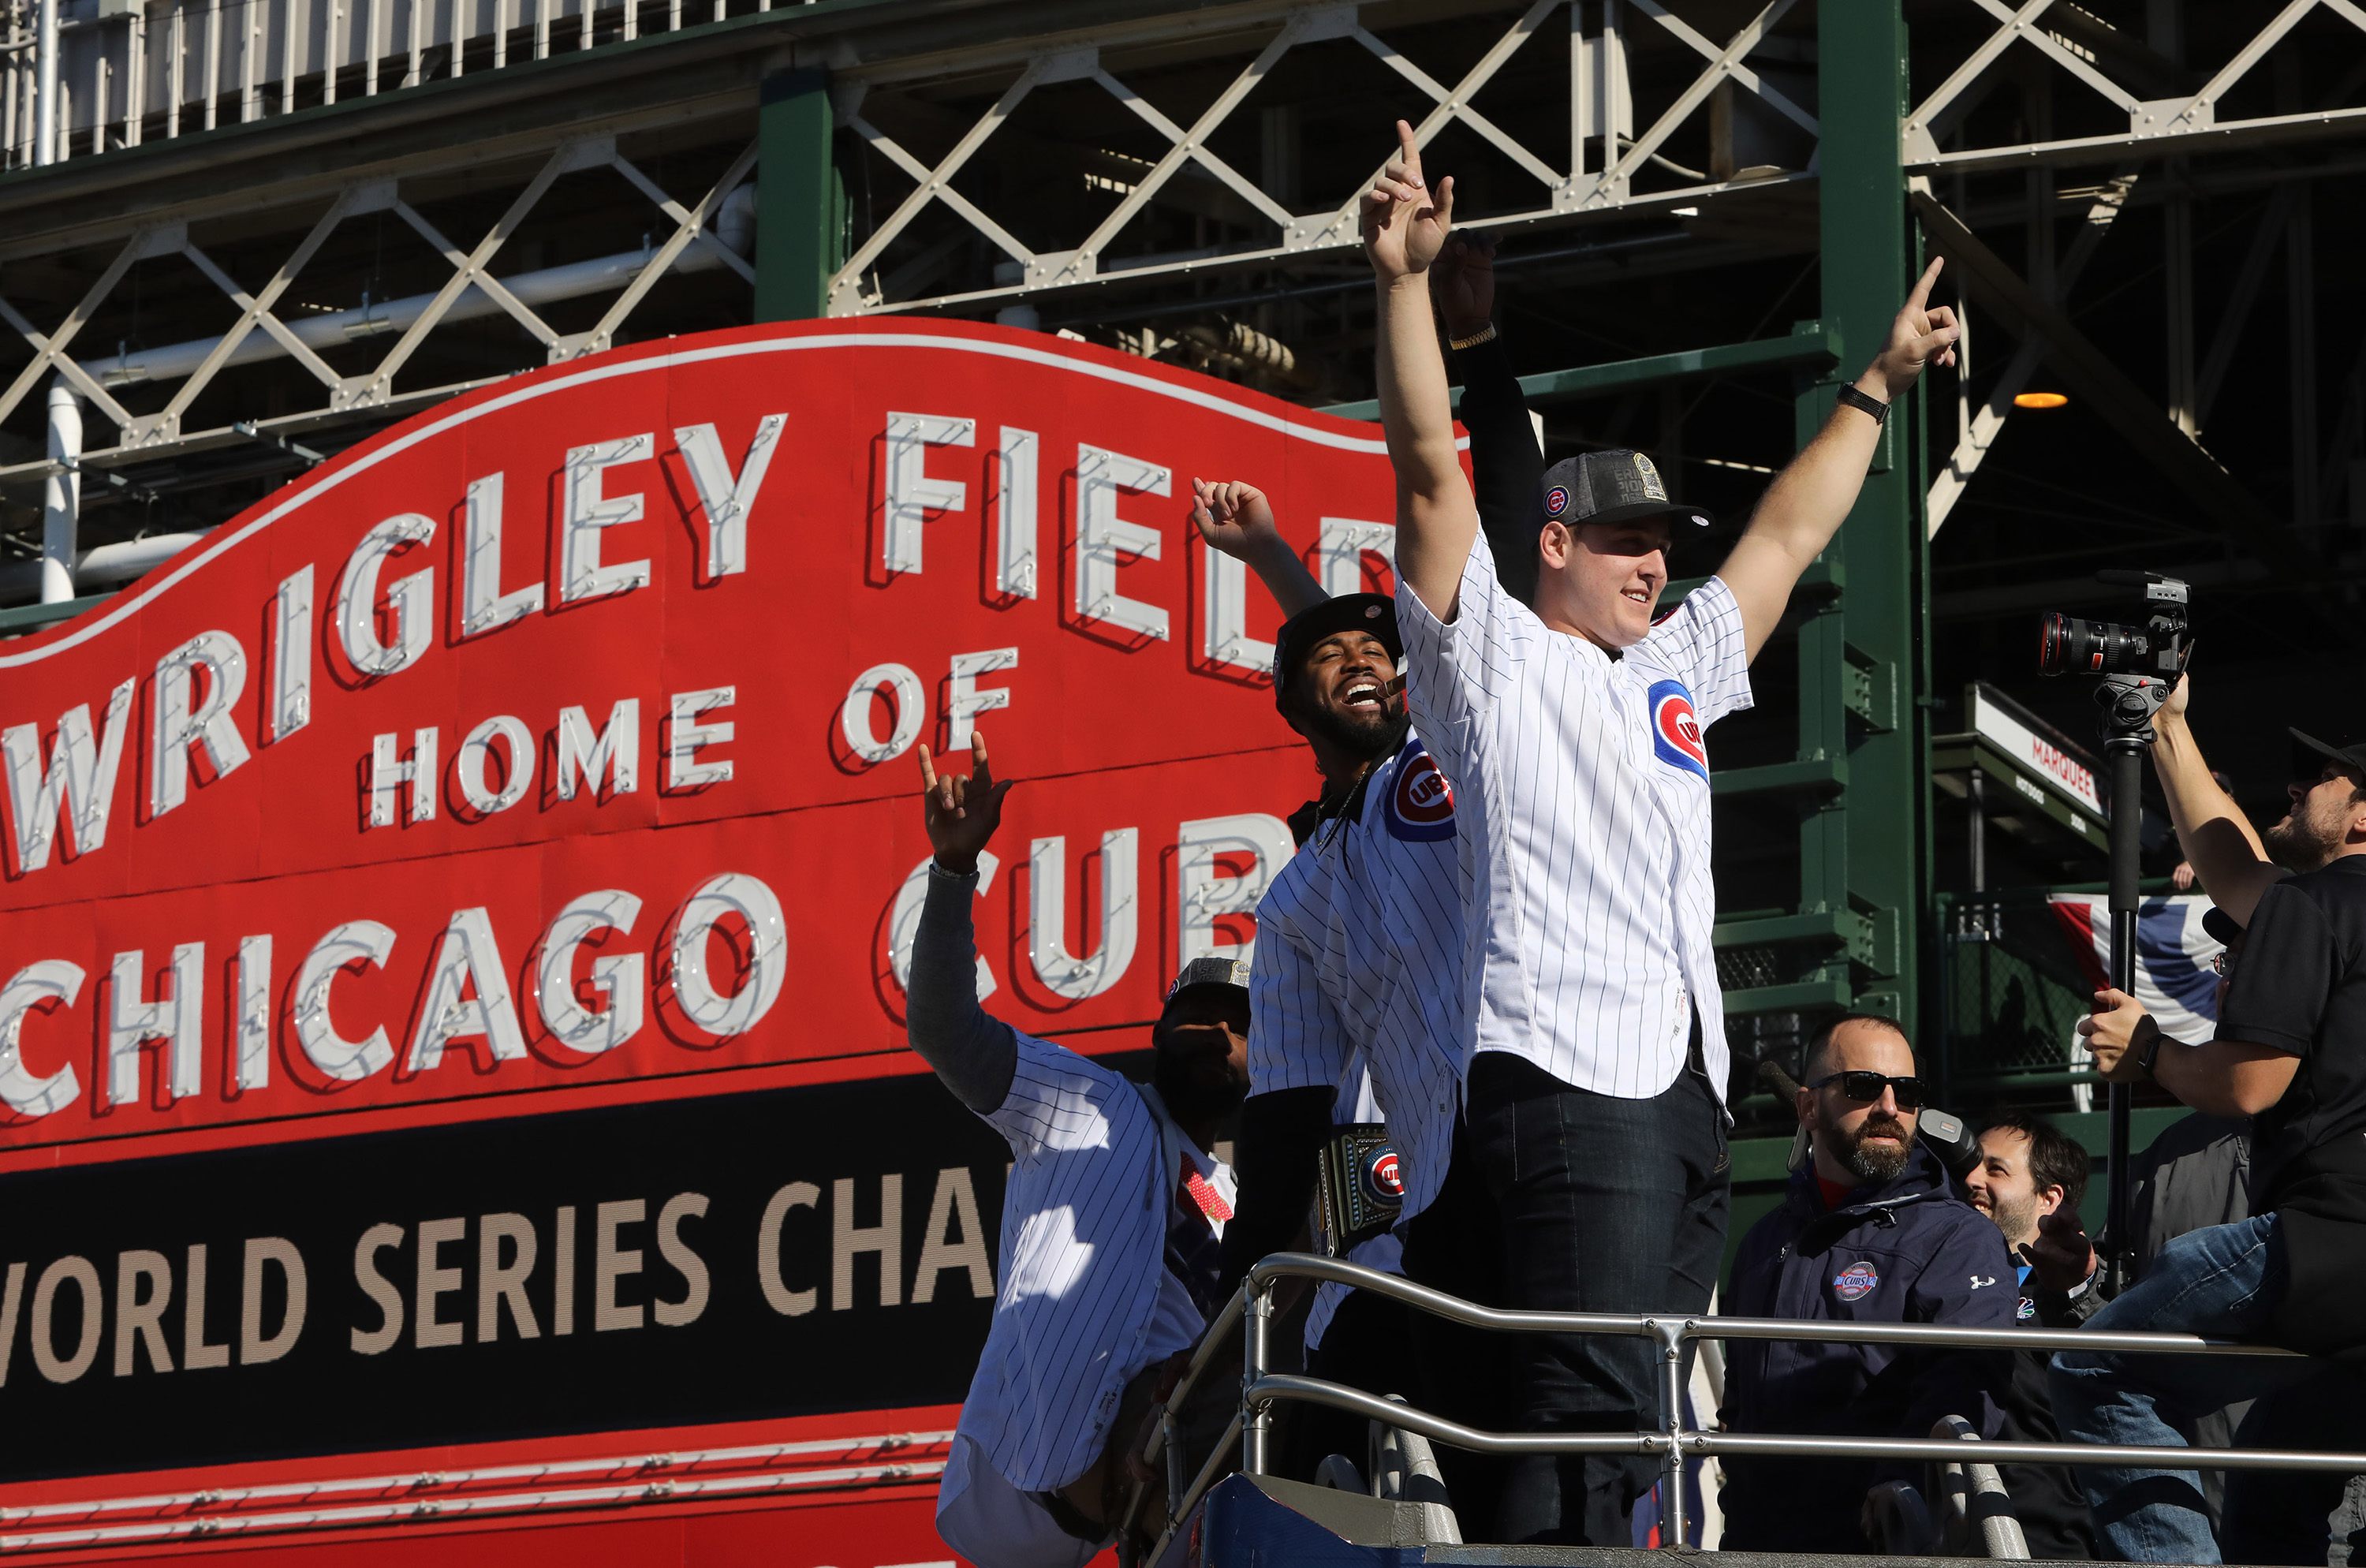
<point>1574,734</point>
<point>2290,1052</point>
<point>1112,1223</point>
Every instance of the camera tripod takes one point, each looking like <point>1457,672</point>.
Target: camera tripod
<point>2128,701</point>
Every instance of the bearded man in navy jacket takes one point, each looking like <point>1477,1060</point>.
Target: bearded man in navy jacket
<point>1870,1232</point>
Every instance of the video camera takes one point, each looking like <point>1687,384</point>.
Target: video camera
<point>2138,664</point>
<point>2135,669</point>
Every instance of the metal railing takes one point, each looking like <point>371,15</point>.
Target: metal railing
<point>1672,1443</point>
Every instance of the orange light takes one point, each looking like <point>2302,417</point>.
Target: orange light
<point>2040,401</point>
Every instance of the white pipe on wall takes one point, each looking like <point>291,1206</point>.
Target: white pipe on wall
<point>60,492</point>
<point>45,89</point>
<point>99,568</point>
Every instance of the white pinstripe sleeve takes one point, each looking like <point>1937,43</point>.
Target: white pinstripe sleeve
<point>1297,1039</point>
<point>1055,1101</point>
<point>1457,671</point>
<point>1703,645</point>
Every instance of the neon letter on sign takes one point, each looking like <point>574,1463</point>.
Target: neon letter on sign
<point>854,714</point>
<point>618,979</point>
<point>185,721</point>
<point>1047,915</point>
<point>484,607</point>
<point>1102,536</point>
<point>81,778</point>
<point>476,756</point>
<point>727,500</point>
<point>412,599</point>
<point>178,1020</point>
<point>356,941</point>
<point>51,980</point>
<point>470,956</point>
<point>1206,894</point>
<point>730,893</point>
<point>580,575</point>
<point>911,494</point>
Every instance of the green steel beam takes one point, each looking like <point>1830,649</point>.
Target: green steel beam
<point>1808,346</point>
<point>1805,996</point>
<point>1864,655</point>
<point>27,618</point>
<point>1809,775</point>
<point>799,205</point>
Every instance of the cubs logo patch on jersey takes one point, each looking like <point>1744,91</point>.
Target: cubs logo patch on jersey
<point>1420,806</point>
<point>1855,1281</point>
<point>1676,729</point>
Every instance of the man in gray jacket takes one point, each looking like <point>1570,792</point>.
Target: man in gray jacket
<point>1112,1222</point>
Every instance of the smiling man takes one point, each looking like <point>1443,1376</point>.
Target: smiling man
<point>1870,1232</point>
<point>2030,1181</point>
<point>1573,732</point>
<point>1358,973</point>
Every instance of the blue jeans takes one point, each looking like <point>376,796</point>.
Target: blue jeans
<point>2224,1282</point>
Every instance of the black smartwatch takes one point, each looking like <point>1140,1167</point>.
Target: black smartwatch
<point>2151,1053</point>
<point>1874,406</point>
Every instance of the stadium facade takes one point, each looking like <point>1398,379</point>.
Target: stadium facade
<point>894,277</point>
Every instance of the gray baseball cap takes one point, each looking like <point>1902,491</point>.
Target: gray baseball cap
<point>1618,486</point>
<point>1232,972</point>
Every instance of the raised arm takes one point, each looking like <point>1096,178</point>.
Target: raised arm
<point>1405,224</point>
<point>1507,468</point>
<point>1234,518</point>
<point>973,1053</point>
<point>2217,839</point>
<point>1812,496</point>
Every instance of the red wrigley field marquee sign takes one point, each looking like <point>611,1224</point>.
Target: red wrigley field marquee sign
<point>452,942</point>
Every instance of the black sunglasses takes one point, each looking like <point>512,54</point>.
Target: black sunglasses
<point>1866,1088</point>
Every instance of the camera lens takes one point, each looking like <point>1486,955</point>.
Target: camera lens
<point>2068,645</point>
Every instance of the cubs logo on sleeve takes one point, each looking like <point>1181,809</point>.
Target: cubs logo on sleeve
<point>1420,801</point>
<point>1856,1281</point>
<point>1676,729</point>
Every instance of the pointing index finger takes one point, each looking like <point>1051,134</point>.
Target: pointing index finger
<point>927,772</point>
<point>1409,150</point>
<point>1922,293</point>
<point>980,770</point>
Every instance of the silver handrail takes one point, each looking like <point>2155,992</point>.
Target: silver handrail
<point>1674,1443</point>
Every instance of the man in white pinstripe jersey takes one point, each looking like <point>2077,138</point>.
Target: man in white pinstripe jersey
<point>1358,960</point>
<point>1112,1222</point>
<point>1573,736</point>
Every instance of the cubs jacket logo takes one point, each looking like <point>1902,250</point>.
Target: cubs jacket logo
<point>1854,1282</point>
<point>1420,801</point>
<point>1675,730</point>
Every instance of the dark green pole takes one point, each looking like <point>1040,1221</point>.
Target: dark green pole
<point>1868,268</point>
<point>798,216</point>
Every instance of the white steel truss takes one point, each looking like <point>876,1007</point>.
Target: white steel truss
<point>2156,126</point>
<point>374,388</point>
<point>1602,106</point>
<point>2181,126</point>
<point>1595,175</point>
<point>1600,97</point>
